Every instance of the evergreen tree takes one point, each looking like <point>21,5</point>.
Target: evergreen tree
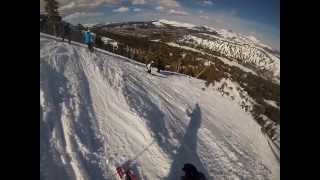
<point>149,56</point>
<point>160,58</point>
<point>54,18</point>
<point>99,42</point>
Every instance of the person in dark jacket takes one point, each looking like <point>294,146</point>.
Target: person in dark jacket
<point>159,65</point>
<point>149,66</point>
<point>67,32</point>
<point>191,173</point>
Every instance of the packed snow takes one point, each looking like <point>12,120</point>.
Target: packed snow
<point>99,110</point>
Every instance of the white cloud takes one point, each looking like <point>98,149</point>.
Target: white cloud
<point>93,3</point>
<point>205,17</point>
<point>135,2</point>
<point>136,9</point>
<point>207,2</point>
<point>177,12</point>
<point>159,8</point>
<point>121,9</point>
<point>68,6</point>
<point>81,14</point>
<point>200,11</point>
<point>169,3</point>
<point>74,4</point>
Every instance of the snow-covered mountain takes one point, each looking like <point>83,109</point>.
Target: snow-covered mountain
<point>162,22</point>
<point>227,34</point>
<point>245,53</point>
<point>247,50</point>
<point>99,110</point>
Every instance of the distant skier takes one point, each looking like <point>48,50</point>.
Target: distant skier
<point>89,39</point>
<point>149,65</point>
<point>191,173</point>
<point>67,32</point>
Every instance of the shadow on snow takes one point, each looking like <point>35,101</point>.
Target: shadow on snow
<point>187,152</point>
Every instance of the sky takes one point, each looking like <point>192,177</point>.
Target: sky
<point>258,18</point>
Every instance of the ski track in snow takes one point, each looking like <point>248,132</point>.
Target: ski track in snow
<point>99,110</point>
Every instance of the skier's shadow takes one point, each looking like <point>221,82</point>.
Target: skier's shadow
<point>187,152</point>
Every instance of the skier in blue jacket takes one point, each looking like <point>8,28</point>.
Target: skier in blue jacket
<point>88,39</point>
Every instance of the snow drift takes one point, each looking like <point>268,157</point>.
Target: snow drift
<point>99,110</point>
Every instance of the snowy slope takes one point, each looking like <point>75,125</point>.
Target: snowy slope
<point>99,110</point>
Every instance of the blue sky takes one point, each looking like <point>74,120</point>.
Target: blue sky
<point>259,18</point>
